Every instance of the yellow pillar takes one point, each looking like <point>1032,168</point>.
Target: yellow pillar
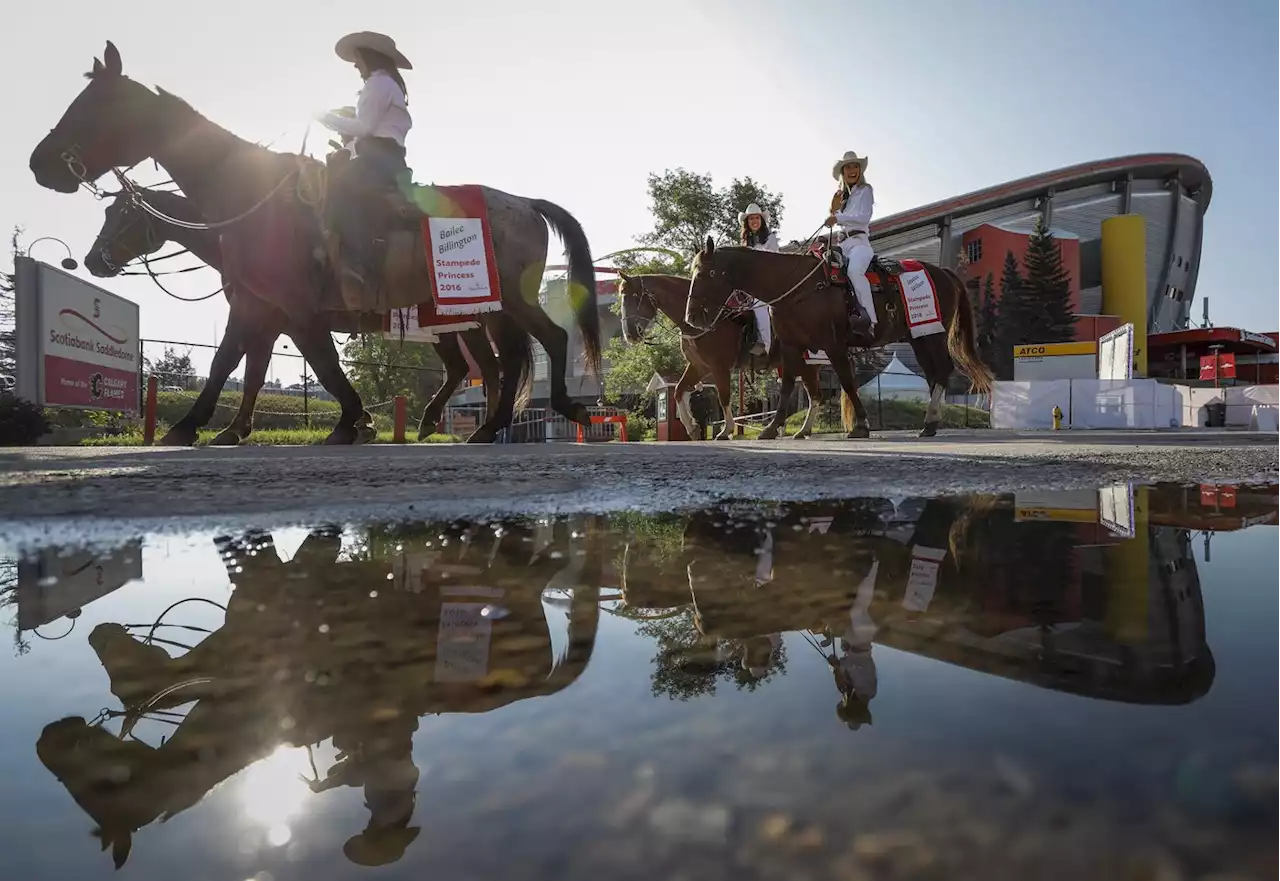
<point>1129,570</point>
<point>1124,278</point>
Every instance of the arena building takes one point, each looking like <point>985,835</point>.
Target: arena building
<point>1168,191</point>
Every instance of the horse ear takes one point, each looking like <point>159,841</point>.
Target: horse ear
<point>98,69</point>
<point>112,58</point>
<point>711,246</point>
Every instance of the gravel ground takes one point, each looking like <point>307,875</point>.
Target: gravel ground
<point>91,492</point>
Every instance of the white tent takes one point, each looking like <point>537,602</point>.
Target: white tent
<point>898,382</point>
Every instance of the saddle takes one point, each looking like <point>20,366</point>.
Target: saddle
<point>882,273</point>
<point>389,222</point>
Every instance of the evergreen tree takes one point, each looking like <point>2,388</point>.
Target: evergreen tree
<point>1050,318</point>
<point>988,323</point>
<point>1012,317</point>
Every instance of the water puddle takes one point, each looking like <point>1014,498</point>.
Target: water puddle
<point>1053,685</point>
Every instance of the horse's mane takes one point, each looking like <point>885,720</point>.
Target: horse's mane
<point>172,105</point>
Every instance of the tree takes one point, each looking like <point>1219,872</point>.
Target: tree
<point>988,323</point>
<point>687,208</point>
<point>1049,317</point>
<point>1011,312</point>
<point>381,368</point>
<point>8,314</point>
<point>173,367</point>
<point>631,366</point>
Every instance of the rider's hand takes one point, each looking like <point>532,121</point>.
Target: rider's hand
<point>831,221</point>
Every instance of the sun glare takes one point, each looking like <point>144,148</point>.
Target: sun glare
<point>273,792</point>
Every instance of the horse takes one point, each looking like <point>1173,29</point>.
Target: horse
<point>129,232</point>
<point>811,311</point>
<point>714,352</point>
<point>261,203</point>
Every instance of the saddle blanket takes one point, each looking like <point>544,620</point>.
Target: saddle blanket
<point>464,275</point>
<point>924,314</point>
<point>459,245</point>
<point>406,325</point>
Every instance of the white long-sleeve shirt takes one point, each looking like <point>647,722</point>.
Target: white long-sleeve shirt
<point>770,244</point>
<point>381,112</point>
<point>855,217</point>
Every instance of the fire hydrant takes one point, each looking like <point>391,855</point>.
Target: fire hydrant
<point>1057,418</point>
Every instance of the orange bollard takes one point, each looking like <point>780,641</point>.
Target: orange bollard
<point>401,404</point>
<point>149,412</point>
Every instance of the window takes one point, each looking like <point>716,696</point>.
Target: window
<point>1172,293</point>
<point>973,251</point>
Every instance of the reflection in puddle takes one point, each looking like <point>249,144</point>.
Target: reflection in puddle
<point>301,678</point>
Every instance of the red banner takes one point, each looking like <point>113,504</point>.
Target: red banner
<point>69,383</point>
<point>1218,367</point>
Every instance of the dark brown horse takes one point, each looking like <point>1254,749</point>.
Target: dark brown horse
<point>714,352</point>
<point>262,204</point>
<point>129,232</point>
<point>811,312</point>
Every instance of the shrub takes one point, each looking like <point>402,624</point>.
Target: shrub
<point>21,422</point>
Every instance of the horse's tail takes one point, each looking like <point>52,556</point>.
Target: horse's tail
<point>582,278</point>
<point>962,339</point>
<point>846,410</point>
<point>524,392</point>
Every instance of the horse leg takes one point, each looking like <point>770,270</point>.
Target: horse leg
<point>185,430</point>
<point>684,388</point>
<point>355,426</point>
<point>257,359</point>
<point>933,412</point>
<point>784,395</point>
<point>809,376</point>
<point>455,369</point>
<point>848,382</point>
<point>722,377</point>
<point>555,342</point>
<point>513,347</point>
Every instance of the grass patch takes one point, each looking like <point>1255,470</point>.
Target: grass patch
<point>270,437</point>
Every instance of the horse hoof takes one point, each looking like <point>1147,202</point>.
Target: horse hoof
<point>365,434</point>
<point>178,437</point>
<point>768,434</point>
<point>226,438</point>
<point>930,429</point>
<point>578,413</point>
<point>800,435</point>
<point>723,436</point>
<point>341,436</point>
<point>860,432</point>
<point>481,436</point>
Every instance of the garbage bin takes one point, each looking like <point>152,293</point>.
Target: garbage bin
<point>1217,414</point>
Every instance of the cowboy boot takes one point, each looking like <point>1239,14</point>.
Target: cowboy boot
<point>859,321</point>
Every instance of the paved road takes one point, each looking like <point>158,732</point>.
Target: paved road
<point>94,490</point>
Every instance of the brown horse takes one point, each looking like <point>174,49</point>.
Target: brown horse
<point>128,232</point>
<point>261,203</point>
<point>811,312</point>
<point>715,352</point>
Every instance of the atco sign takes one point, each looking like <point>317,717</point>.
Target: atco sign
<point>78,345</point>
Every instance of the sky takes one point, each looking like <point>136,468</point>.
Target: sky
<point>578,101</point>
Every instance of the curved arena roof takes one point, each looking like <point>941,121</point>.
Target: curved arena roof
<point>1142,166</point>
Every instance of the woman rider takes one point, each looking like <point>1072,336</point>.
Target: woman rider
<point>378,129</point>
<point>851,208</point>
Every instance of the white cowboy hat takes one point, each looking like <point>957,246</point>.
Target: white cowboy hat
<point>379,43</point>
<point>850,158</point>
<point>753,208</point>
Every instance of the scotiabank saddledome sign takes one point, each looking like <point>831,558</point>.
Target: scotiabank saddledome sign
<point>78,345</point>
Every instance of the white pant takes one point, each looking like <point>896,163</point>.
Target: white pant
<point>763,324</point>
<point>857,254</point>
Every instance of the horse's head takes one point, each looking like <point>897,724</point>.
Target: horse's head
<point>710,288</point>
<point>127,232</point>
<point>639,308</point>
<point>110,124</point>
